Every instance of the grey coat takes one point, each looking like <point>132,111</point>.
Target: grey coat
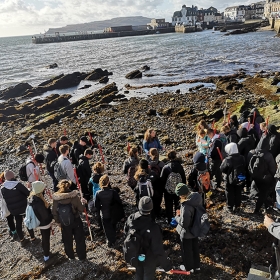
<point>186,216</point>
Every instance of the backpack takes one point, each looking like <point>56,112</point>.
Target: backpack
<point>203,180</point>
<point>59,173</point>
<point>144,187</point>
<point>237,176</point>
<point>224,141</point>
<point>257,166</point>
<point>156,169</point>
<point>22,172</point>
<point>30,220</point>
<point>200,225</point>
<point>172,181</point>
<point>65,214</point>
<point>134,245</point>
<point>131,181</point>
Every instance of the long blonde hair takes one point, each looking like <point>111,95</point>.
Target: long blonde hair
<point>41,196</point>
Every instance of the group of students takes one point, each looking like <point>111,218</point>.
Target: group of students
<point>244,151</point>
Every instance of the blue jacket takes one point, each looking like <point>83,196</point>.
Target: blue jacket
<point>153,144</point>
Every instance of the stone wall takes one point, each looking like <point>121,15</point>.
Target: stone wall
<point>275,24</point>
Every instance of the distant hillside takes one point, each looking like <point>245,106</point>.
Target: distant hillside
<point>100,25</point>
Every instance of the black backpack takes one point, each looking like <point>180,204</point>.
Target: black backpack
<point>200,225</point>
<point>258,166</point>
<point>144,187</point>
<point>134,245</point>
<point>237,175</point>
<point>22,172</point>
<point>65,214</point>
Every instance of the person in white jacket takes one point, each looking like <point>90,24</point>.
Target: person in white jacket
<point>66,165</point>
<point>32,169</point>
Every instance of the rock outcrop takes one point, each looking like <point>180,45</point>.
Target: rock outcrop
<point>15,91</point>
<point>134,74</point>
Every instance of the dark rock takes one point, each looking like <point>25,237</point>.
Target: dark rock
<point>126,91</point>
<point>166,140</point>
<point>104,80</point>
<point>218,114</point>
<point>134,74</point>
<point>178,91</point>
<point>84,87</point>
<point>21,149</point>
<point>184,111</point>
<point>59,102</point>
<point>15,91</point>
<point>51,80</point>
<point>275,81</point>
<point>52,66</point>
<point>220,92</point>
<point>97,74</point>
<point>146,68</point>
<point>152,112</point>
<point>167,111</point>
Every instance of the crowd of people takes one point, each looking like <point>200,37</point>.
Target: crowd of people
<point>244,154</point>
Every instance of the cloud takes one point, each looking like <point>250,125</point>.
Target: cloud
<point>18,17</point>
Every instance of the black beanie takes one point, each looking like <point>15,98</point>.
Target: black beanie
<point>143,164</point>
<point>145,205</point>
<point>39,158</point>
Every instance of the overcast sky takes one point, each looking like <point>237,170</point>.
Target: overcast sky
<point>24,17</point>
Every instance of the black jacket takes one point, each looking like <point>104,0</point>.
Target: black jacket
<point>84,170</point>
<point>274,140</point>
<point>103,201</point>
<point>78,151</point>
<point>199,165</point>
<point>213,152</point>
<point>232,136</point>
<point>58,144</point>
<point>43,214</point>
<point>152,238</point>
<point>263,147</point>
<point>131,161</point>
<point>50,157</point>
<point>15,195</point>
<point>176,167</point>
<point>246,143</point>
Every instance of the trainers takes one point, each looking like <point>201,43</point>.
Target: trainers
<point>49,262</point>
<point>272,271</point>
<point>24,242</point>
<point>15,237</point>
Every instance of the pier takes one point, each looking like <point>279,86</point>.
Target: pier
<point>94,36</point>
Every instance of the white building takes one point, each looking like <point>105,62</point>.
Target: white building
<point>235,13</point>
<point>272,8</point>
<point>186,16</point>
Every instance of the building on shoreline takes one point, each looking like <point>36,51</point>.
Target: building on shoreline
<point>272,9</point>
<point>158,23</point>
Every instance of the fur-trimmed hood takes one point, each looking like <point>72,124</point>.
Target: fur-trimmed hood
<point>63,196</point>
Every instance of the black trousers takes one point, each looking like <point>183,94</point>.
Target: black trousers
<point>233,195</point>
<point>215,171</point>
<point>77,231</point>
<point>147,270</point>
<point>46,234</point>
<point>109,229</point>
<point>264,190</point>
<point>157,198</point>
<point>190,253</point>
<point>18,225</point>
<point>55,182</point>
<point>171,201</point>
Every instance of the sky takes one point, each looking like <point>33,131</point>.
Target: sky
<point>28,17</point>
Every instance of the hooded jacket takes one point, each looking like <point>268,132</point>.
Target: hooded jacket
<point>185,219</point>
<point>43,214</point>
<point>235,123</point>
<point>50,157</point>
<point>263,148</point>
<point>233,161</point>
<point>152,238</point>
<point>66,198</point>
<point>199,165</point>
<point>131,161</point>
<point>84,170</point>
<point>214,144</point>
<point>232,136</point>
<point>172,166</point>
<point>274,140</point>
<point>246,142</point>
<point>15,195</point>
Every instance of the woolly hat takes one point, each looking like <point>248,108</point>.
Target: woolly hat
<point>39,158</point>
<point>145,205</point>
<point>182,189</point>
<point>9,175</point>
<point>143,164</point>
<point>38,187</point>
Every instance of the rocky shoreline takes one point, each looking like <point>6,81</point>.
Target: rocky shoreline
<point>234,242</point>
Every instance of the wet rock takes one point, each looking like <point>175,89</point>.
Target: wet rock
<point>146,68</point>
<point>15,91</point>
<point>104,80</point>
<point>184,111</point>
<point>84,87</point>
<point>134,74</point>
<point>126,91</point>
<point>97,74</point>
<point>52,66</point>
<point>152,112</point>
<point>178,91</point>
<point>275,81</point>
<point>217,114</point>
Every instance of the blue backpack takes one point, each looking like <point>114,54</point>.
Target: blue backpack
<point>30,220</point>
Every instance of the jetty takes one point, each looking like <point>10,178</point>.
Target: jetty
<point>58,38</point>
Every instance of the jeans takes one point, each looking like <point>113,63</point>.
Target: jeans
<point>190,253</point>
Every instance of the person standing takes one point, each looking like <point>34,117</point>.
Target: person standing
<point>234,166</point>
<point>63,140</point>
<point>51,159</point>
<point>184,217</point>
<point>32,169</point>
<point>151,141</point>
<point>78,149</point>
<point>68,199</point>
<point>152,244</point>
<point>43,213</point>
<point>15,195</point>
